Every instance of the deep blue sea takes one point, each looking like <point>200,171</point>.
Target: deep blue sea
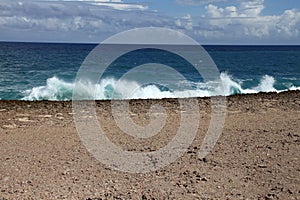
<point>41,71</point>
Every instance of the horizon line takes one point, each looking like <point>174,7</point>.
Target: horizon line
<point>95,43</point>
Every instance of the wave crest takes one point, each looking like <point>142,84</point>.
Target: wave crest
<point>59,90</point>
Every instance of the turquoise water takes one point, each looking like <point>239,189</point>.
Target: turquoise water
<point>38,71</point>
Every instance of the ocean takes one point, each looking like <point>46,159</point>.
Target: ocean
<point>42,71</point>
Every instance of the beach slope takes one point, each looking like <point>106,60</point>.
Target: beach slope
<point>256,157</point>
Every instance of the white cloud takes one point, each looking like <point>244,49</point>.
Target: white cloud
<point>246,23</point>
<point>68,15</point>
<point>114,4</point>
<point>122,6</point>
<point>74,21</point>
<point>94,20</point>
<point>214,12</point>
<point>246,9</point>
<point>251,8</point>
<point>197,2</point>
<point>185,22</point>
<point>288,23</point>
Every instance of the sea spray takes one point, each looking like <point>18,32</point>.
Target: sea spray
<point>266,84</point>
<point>55,89</point>
<point>60,90</point>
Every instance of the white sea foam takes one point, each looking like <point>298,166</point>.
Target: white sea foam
<point>108,88</point>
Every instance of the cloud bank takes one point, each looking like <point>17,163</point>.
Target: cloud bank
<point>94,20</point>
<point>245,23</point>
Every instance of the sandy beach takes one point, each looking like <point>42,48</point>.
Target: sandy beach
<point>256,157</point>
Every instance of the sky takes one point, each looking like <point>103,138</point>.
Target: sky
<point>206,21</point>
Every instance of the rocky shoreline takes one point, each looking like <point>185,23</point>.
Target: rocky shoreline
<point>257,156</point>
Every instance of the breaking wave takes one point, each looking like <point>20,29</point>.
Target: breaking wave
<point>59,90</point>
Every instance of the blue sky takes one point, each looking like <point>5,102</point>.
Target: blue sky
<point>207,21</point>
